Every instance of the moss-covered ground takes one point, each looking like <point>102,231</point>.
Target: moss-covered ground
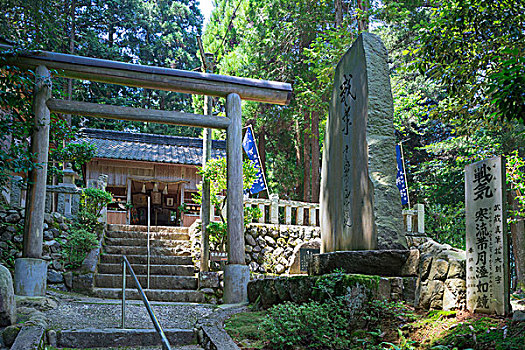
<point>397,327</point>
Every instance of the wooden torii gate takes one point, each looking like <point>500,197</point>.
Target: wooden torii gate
<point>31,270</point>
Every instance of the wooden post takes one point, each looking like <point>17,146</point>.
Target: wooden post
<point>128,202</point>
<point>234,182</point>
<point>36,196</point>
<point>206,204</point>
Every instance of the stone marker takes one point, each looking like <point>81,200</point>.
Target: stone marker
<point>301,255</point>
<point>7,298</point>
<point>360,203</point>
<point>487,244</point>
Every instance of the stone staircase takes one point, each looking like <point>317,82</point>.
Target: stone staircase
<point>172,272</point>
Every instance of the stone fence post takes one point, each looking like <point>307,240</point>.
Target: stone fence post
<point>16,191</point>
<point>274,208</point>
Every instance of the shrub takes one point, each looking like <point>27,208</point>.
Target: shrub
<point>78,244</point>
<point>311,325</point>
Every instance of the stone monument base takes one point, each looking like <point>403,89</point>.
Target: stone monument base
<point>30,277</point>
<point>366,262</point>
<point>236,278</point>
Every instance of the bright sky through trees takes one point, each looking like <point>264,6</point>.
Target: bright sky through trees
<point>206,6</point>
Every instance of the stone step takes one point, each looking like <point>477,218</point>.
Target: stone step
<point>134,228</point>
<point>155,251</point>
<point>143,242</point>
<point>142,269</point>
<point>143,259</point>
<point>156,281</point>
<point>181,296</point>
<point>116,337</point>
<point>153,235</point>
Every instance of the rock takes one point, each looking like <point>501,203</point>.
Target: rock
<point>250,240</point>
<point>248,249</point>
<point>63,227</point>
<point>10,333</point>
<point>53,246</point>
<point>454,294</point>
<point>384,289</point>
<point>254,266</point>
<point>54,277</point>
<point>3,246</point>
<point>279,269</point>
<point>278,252</point>
<point>438,270</point>
<point>409,289</point>
<point>456,269</point>
<point>207,290</point>
<point>11,229</point>
<point>12,218</point>
<point>52,337</point>
<point>57,265</point>
<point>48,236</point>
<point>360,208</point>
<point>270,241</point>
<point>425,263</point>
<point>54,232</point>
<point>39,303</point>
<point>368,262</point>
<point>431,295</point>
<point>7,236</point>
<point>397,284</point>
<point>18,238</point>
<point>257,248</point>
<point>411,266</point>
<point>518,316</point>
<point>48,219</point>
<point>261,241</point>
<point>57,217</point>
<point>68,279</point>
<point>7,298</point>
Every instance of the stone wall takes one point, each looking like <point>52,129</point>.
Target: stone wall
<point>274,248</point>
<point>441,281</point>
<point>56,230</point>
<point>270,248</point>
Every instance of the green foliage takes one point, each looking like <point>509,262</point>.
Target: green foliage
<point>484,333</point>
<point>94,200</point>
<point>215,172</point>
<point>311,325</point>
<point>75,248</point>
<point>15,122</point>
<point>245,328</point>
<point>475,50</point>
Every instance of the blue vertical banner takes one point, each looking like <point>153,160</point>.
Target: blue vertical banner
<point>400,178</point>
<point>249,146</point>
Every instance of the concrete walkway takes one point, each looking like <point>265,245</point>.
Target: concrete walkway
<point>76,311</point>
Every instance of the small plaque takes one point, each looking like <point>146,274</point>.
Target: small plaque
<point>218,256</point>
<point>304,255</point>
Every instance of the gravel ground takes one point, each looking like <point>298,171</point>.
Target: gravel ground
<point>76,311</point>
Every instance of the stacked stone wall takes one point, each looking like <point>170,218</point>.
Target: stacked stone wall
<point>441,280</point>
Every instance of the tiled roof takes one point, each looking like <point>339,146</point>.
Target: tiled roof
<point>149,147</point>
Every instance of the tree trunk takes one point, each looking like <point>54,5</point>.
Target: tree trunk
<point>306,160</point>
<point>298,151</point>
<point>315,157</point>
<point>362,20</point>
<point>517,230</point>
<point>338,13</point>
<point>71,51</point>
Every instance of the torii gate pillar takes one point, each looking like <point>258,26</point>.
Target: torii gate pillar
<point>236,273</point>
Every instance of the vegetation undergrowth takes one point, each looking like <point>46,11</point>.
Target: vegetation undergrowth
<point>384,325</point>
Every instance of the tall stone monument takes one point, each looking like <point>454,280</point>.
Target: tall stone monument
<point>486,240</point>
<point>360,203</point>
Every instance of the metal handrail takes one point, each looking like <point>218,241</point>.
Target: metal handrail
<point>156,324</point>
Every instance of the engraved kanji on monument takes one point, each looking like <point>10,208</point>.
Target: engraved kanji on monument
<point>360,205</point>
<point>486,240</point>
